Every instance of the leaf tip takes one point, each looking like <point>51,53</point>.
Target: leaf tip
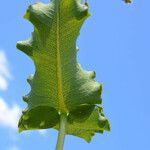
<point>26,98</point>
<point>30,78</point>
<point>25,47</point>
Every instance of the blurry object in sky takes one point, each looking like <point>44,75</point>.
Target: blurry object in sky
<point>127,1</point>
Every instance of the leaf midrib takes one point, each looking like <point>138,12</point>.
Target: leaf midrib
<point>61,103</point>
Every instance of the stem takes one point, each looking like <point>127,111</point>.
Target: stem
<point>62,132</point>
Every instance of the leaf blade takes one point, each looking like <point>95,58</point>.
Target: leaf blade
<point>59,83</point>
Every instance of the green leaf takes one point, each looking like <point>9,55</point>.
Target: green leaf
<point>59,84</point>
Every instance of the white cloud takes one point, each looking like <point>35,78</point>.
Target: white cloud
<point>9,115</point>
<point>4,71</point>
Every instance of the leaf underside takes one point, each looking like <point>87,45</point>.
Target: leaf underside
<point>59,84</point>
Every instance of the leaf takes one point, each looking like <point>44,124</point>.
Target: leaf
<point>59,84</point>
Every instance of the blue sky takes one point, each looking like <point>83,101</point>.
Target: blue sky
<point>115,42</point>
